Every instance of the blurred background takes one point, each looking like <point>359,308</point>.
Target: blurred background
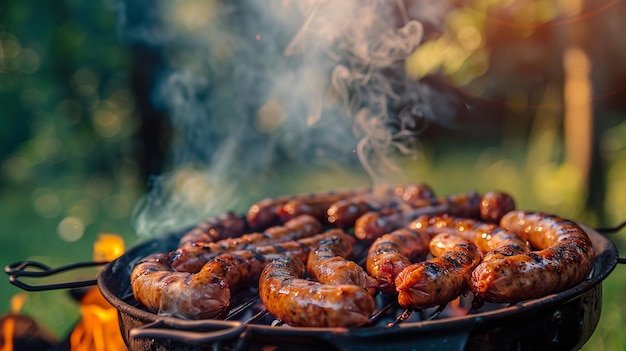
<point>141,117</point>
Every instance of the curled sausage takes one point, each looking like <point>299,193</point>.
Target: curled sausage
<point>391,253</point>
<point>159,288</point>
<point>328,264</point>
<point>441,279</point>
<point>300,302</point>
<point>564,258</point>
<point>207,293</point>
<point>191,257</point>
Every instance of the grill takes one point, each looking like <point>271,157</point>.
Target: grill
<point>562,321</point>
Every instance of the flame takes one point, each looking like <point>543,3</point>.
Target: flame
<point>17,301</point>
<point>108,247</point>
<point>7,333</point>
<point>98,329</point>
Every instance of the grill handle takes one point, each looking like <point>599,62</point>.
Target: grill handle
<point>613,230</point>
<point>34,269</point>
<point>191,331</point>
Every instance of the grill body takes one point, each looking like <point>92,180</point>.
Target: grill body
<point>563,321</point>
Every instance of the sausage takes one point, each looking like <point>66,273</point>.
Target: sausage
<point>159,288</point>
<point>273,211</point>
<point>494,205</point>
<point>564,258</point>
<point>488,236</point>
<point>328,264</point>
<point>372,225</point>
<point>317,205</point>
<point>207,293</point>
<point>391,253</point>
<point>441,279</point>
<point>191,257</point>
<point>226,225</point>
<point>344,213</point>
<point>304,303</point>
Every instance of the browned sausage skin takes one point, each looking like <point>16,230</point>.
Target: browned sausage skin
<point>207,294</point>
<point>300,302</point>
<point>192,256</point>
<point>441,279</point>
<point>393,252</point>
<point>273,211</point>
<point>494,205</point>
<point>226,225</point>
<point>488,236</point>
<point>159,288</point>
<point>344,213</point>
<point>373,224</point>
<point>564,259</point>
<point>328,264</point>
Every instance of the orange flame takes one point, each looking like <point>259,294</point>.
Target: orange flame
<point>98,329</point>
<point>7,333</point>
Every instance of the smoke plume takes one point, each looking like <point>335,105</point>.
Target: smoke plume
<point>256,86</point>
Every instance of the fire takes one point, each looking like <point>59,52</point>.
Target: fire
<point>98,329</point>
<point>7,334</point>
<point>108,247</point>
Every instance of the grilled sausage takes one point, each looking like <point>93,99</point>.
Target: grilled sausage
<point>564,259</point>
<point>391,253</point>
<point>207,294</point>
<point>344,213</point>
<point>328,264</point>
<point>191,257</point>
<point>159,288</point>
<point>226,225</point>
<point>441,279</point>
<point>494,205</point>
<point>488,236</point>
<point>372,225</point>
<point>273,211</point>
<point>301,302</point>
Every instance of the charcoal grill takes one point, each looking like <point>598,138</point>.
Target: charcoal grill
<point>563,321</point>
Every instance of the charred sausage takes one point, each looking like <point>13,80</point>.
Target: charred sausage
<point>226,225</point>
<point>393,252</point>
<point>441,279</point>
<point>344,213</point>
<point>328,263</point>
<point>373,224</point>
<point>273,211</point>
<point>300,302</point>
<point>488,236</point>
<point>564,258</point>
<point>207,293</point>
<point>494,205</point>
<point>191,257</point>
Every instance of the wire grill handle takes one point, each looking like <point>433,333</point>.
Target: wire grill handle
<point>611,230</point>
<point>35,269</point>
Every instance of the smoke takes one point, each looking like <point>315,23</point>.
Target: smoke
<point>253,85</point>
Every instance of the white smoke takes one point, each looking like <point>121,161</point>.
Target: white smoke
<point>252,85</point>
